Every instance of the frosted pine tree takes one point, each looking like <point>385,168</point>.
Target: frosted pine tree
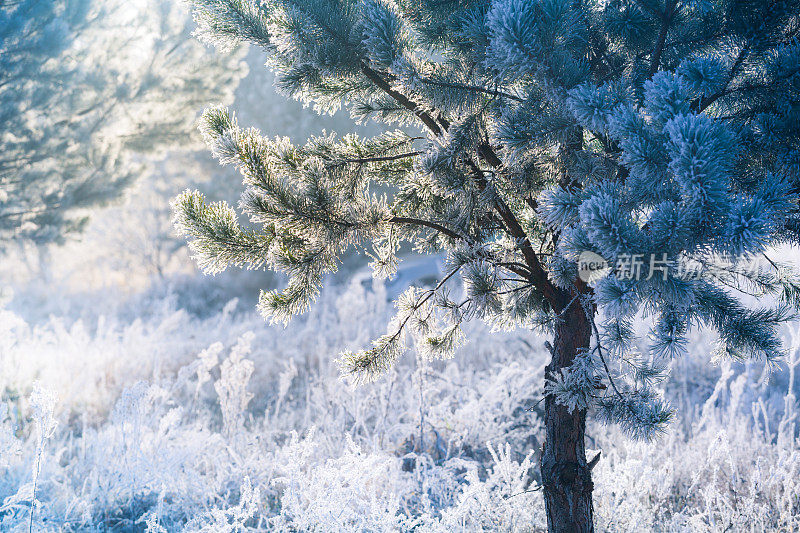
<point>656,139</point>
<point>86,88</point>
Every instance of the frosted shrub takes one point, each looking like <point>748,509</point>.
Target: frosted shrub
<point>506,501</point>
<point>230,520</point>
<point>207,360</point>
<point>502,407</point>
<point>724,475</point>
<point>42,403</point>
<point>355,491</point>
<point>10,445</point>
<point>146,455</point>
<point>235,373</point>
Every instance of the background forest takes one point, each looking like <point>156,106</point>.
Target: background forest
<point>137,394</point>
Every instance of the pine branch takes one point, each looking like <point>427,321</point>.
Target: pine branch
<point>537,272</point>
<point>520,270</point>
<point>538,275</point>
<point>432,225</point>
<point>666,20</point>
<point>402,99</point>
<point>602,358</point>
<point>378,159</point>
<point>705,102</point>
<point>372,362</point>
<point>474,88</point>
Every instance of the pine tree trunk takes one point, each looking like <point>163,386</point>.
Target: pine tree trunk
<point>566,477</point>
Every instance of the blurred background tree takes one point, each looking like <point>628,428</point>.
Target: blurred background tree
<point>90,91</point>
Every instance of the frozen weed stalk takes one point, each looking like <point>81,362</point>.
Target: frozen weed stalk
<point>547,129</point>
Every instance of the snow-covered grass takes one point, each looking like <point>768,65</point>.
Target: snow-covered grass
<point>167,419</point>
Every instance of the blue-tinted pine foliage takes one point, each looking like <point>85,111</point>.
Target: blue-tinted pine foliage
<point>657,134</point>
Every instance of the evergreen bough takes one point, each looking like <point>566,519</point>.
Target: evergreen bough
<point>655,129</point>
<point>90,89</point>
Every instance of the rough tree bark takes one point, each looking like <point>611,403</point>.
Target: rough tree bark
<point>566,476</point>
